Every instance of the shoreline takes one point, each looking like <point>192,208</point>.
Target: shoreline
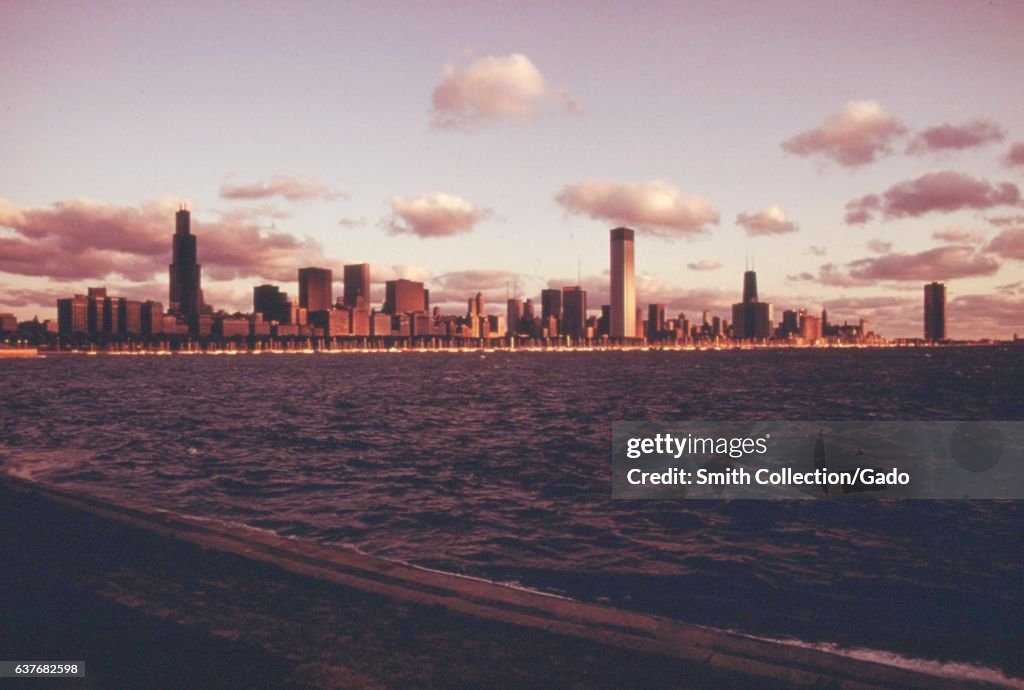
<point>324,617</point>
<point>42,353</point>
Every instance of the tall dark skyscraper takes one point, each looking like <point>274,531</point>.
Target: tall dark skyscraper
<point>186,280</point>
<point>513,314</point>
<point>749,287</point>
<point>655,319</point>
<point>574,311</point>
<point>357,286</point>
<point>623,284</point>
<point>272,303</point>
<point>315,292</point>
<point>551,303</point>
<point>935,311</point>
<point>751,318</point>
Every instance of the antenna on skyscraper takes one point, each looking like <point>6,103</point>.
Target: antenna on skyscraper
<point>579,272</point>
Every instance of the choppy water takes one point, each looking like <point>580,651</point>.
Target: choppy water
<point>498,466</point>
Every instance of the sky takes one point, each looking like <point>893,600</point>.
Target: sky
<point>850,152</point>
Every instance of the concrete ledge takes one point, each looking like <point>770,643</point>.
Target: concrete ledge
<point>575,637</point>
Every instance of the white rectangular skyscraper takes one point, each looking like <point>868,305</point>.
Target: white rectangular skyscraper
<point>623,285</point>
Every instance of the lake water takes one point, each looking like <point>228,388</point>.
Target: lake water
<point>498,466</point>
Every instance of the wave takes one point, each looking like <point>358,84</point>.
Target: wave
<point>955,670</point>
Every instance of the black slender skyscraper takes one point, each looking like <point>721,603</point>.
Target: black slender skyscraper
<point>935,311</point>
<point>749,287</point>
<point>186,281</point>
<point>751,318</point>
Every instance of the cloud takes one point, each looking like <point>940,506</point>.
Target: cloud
<point>1004,221</point>
<point>241,251</point>
<point>493,89</point>
<point>433,215</point>
<point>947,137</point>
<point>817,251</point>
<point>862,303</point>
<point>654,207</point>
<point>941,263</point>
<point>1015,156</point>
<point>892,316</point>
<point>290,188</point>
<point>858,211</point>
<point>1009,244</point>
<point>455,287</point>
<point>44,298</point>
<point>993,315</point>
<point>419,274</point>
<point>770,221</point>
<point>956,234</point>
<point>81,239</point>
<point>474,280</point>
<point>879,246</point>
<point>651,290</point>
<point>13,297</point>
<point>944,191</point>
<point>704,265</point>
<point>860,134</point>
<point>830,274</point>
<point>352,222</point>
<point>253,213</point>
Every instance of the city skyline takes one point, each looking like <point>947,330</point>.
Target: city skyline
<point>315,318</point>
<point>446,148</point>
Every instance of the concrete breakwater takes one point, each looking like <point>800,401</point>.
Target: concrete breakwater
<point>297,614</point>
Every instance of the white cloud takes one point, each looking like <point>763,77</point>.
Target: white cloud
<point>655,207</point>
<point>770,221</point>
<point>860,134</point>
<point>492,89</point>
<point>433,215</point>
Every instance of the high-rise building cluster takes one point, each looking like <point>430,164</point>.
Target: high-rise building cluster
<point>405,313</point>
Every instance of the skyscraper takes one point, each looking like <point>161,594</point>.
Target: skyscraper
<point>749,287</point>
<point>751,318</point>
<point>623,285</point>
<point>315,292</point>
<point>73,315</point>
<point>655,320</point>
<point>402,296</point>
<point>551,303</point>
<point>273,304</point>
<point>97,310</point>
<point>357,286</point>
<point>574,311</point>
<point>513,314</point>
<point>935,311</point>
<point>186,279</point>
<point>476,305</point>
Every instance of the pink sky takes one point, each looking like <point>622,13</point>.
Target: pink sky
<point>854,150</point>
